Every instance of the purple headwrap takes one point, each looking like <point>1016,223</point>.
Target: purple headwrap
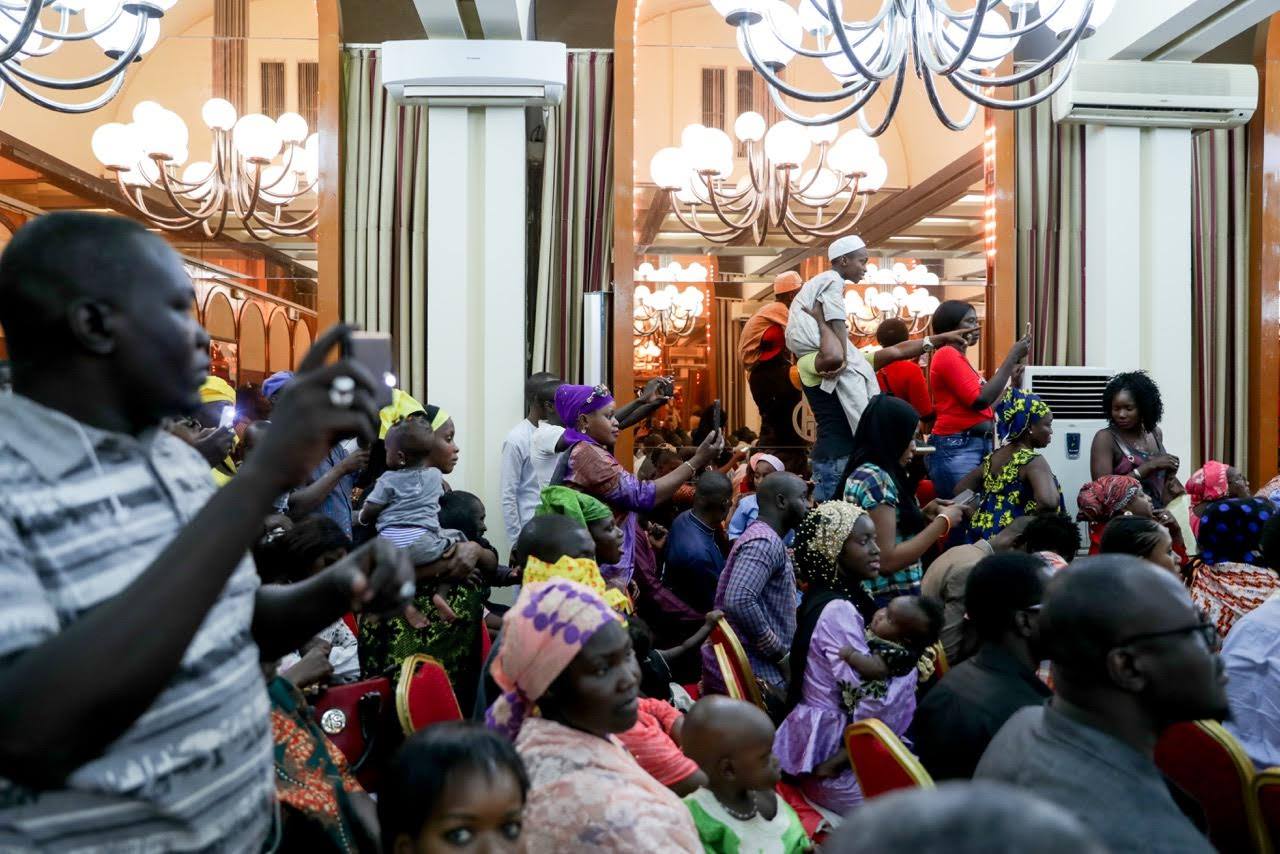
<point>275,383</point>
<point>573,401</point>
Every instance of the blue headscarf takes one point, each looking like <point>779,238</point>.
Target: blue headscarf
<point>1017,411</point>
<point>275,383</point>
<point>1231,530</point>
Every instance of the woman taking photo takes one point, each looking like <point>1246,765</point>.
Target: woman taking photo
<point>591,430</point>
<point>1014,480</point>
<point>1132,443</point>
<point>962,401</point>
<point>876,480</point>
<point>571,681</point>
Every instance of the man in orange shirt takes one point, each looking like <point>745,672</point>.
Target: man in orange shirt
<point>763,350</point>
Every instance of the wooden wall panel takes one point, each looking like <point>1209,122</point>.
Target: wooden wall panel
<point>1264,260</point>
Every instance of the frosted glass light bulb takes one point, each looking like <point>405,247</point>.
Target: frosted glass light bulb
<point>115,146</point>
<point>256,137</point>
<point>749,127</point>
<point>218,114</point>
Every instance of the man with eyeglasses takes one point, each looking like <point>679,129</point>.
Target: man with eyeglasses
<point>1131,656</point>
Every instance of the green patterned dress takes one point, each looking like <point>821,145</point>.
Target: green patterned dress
<point>1005,496</point>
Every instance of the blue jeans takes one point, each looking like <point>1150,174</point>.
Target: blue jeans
<point>955,457</point>
<point>827,475</point>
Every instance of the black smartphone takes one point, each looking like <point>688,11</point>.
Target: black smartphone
<point>717,416</point>
<point>373,350</point>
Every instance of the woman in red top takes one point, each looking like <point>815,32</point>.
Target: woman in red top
<point>963,427</point>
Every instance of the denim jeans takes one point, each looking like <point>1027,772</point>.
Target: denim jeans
<point>954,458</point>
<point>827,475</point>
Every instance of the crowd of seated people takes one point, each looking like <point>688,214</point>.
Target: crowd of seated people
<point>207,621</point>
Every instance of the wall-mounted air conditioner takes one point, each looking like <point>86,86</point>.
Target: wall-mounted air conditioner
<point>1158,94</point>
<point>442,72</point>
<point>1075,397</point>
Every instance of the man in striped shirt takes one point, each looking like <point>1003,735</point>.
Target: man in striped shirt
<point>131,622</point>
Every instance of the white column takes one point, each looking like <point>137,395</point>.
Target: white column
<point>476,287</point>
<point>1138,264</point>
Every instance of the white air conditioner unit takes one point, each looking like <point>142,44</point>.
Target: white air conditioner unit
<point>443,72</point>
<point>1158,94</point>
<point>1075,397</point>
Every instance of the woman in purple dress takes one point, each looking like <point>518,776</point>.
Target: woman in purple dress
<point>591,429</point>
<point>835,552</point>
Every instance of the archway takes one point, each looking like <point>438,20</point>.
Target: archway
<point>280,343</point>
<point>253,344</point>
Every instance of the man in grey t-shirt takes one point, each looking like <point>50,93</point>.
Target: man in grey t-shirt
<point>1131,656</point>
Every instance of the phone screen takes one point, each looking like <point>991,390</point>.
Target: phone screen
<point>373,351</point>
<point>968,497</point>
<point>228,418</point>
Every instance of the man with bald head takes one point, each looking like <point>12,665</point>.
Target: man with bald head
<point>757,587</point>
<point>763,351</point>
<point>1131,656</point>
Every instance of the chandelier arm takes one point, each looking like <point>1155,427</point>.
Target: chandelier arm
<point>287,228</point>
<point>1068,45</point>
<point>840,230</point>
<point>801,50</point>
<point>696,227</point>
<point>139,203</point>
<point>59,106</point>
<point>971,37</point>
<point>777,83</point>
<point>804,238</point>
<point>894,47</point>
<point>839,116</point>
<point>1018,103</point>
<point>62,34</point>
<point>28,24</point>
<point>115,70</point>
<point>201,213</point>
<point>941,111</point>
<point>720,214</point>
<point>892,109</point>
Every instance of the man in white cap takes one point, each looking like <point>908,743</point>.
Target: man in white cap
<point>763,350</point>
<point>836,378</point>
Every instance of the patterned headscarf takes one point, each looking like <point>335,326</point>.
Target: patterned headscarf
<point>1230,530</point>
<point>1103,499</point>
<point>582,570</point>
<point>819,539</point>
<point>541,635</point>
<point>573,401</point>
<point>1207,484</point>
<point>1017,411</point>
<point>564,501</point>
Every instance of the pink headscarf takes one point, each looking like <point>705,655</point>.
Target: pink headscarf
<point>541,634</point>
<point>1208,484</point>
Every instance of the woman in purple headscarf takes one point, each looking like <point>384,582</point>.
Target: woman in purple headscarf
<point>590,431</point>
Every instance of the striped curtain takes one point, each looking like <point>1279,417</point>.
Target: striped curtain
<point>1220,294</point>
<point>732,378</point>
<point>1051,232</point>
<point>384,216</point>
<point>575,242</point>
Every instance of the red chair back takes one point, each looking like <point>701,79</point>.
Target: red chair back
<point>735,668</point>
<point>881,761</point>
<point>424,695</point>
<point>1266,790</point>
<point>1207,763</point>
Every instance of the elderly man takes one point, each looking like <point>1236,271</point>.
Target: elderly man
<point>132,624</point>
<point>1131,656</point>
<point>763,350</point>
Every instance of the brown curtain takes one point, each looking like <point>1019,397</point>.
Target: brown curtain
<point>1051,232</point>
<point>271,80</point>
<point>384,217</point>
<point>309,93</point>
<point>575,232</point>
<point>1220,295</point>
<point>230,39</point>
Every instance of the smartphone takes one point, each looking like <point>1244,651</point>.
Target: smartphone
<point>228,418</point>
<point>968,497</point>
<point>717,416</point>
<point>373,351</point>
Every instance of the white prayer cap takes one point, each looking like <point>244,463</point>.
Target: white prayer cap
<point>844,246</point>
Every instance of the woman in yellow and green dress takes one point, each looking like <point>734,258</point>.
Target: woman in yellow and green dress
<point>1014,480</point>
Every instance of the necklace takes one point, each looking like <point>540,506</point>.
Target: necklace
<point>739,816</point>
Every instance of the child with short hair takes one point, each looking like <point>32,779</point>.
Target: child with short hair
<point>897,637</point>
<point>453,785</point>
<point>732,742</point>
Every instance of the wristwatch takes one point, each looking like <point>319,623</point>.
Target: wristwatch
<point>928,344</point>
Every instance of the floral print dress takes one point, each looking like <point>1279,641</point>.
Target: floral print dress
<point>1005,496</point>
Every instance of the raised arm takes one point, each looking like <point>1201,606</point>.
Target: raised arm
<point>994,387</point>
<point>79,687</point>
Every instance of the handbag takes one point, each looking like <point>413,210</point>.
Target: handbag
<point>360,720</point>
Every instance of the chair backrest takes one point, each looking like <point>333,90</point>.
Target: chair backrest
<point>881,761</point>
<point>735,668</point>
<point>1266,790</point>
<point>424,694</point>
<point>1207,763</point>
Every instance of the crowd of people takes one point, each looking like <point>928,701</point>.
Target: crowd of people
<point>183,590</point>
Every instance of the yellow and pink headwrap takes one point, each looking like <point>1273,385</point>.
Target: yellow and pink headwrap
<point>581,570</point>
<point>541,635</point>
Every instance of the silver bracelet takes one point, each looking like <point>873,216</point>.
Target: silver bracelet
<point>690,465</point>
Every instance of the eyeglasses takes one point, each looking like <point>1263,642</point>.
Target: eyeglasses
<point>1208,633</point>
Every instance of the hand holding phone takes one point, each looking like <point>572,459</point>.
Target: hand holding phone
<point>373,351</point>
<point>968,498</point>
<point>228,418</point>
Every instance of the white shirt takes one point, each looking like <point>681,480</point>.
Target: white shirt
<point>544,454</point>
<point>519,486</point>
<point>1251,655</point>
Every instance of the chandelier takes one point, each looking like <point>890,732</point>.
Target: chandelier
<point>123,29</point>
<point>666,313</point>
<point>257,169</point>
<point>961,47</point>
<point>867,310</point>
<point>698,179</point>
